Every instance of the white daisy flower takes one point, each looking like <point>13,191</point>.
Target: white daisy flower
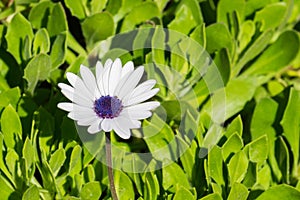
<point>112,100</point>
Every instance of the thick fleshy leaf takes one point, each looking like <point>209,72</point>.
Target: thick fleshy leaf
<point>91,191</point>
<point>57,15</point>
<point>58,50</point>
<point>16,38</point>
<point>31,193</point>
<point>238,192</point>
<point>97,27</point>
<point>280,192</point>
<point>278,55</point>
<point>139,14</point>
<point>124,186</point>
<point>237,167</point>
<point>11,127</point>
<point>41,43</point>
<point>271,16</point>
<point>290,123</point>
<point>38,69</point>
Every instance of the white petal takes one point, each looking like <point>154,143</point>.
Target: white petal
<point>95,127</point>
<point>151,105</point>
<point>105,77</point>
<point>125,120</point>
<point>86,121</point>
<point>141,98</point>
<point>114,76</point>
<point>71,107</point>
<point>128,67</point>
<point>72,78</point>
<point>89,80</point>
<point>106,125</point>
<point>108,63</point>
<point>99,70</point>
<point>130,83</point>
<point>142,88</point>
<point>64,86</point>
<point>65,106</point>
<point>99,75</point>
<point>121,130</point>
<point>77,98</point>
<point>81,115</point>
<point>138,114</point>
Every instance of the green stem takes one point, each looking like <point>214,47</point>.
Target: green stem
<point>109,166</point>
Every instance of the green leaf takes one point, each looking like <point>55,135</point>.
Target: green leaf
<point>187,154</point>
<point>236,94</point>
<point>218,37</point>
<point>283,158</point>
<point>233,145</point>
<point>6,189</point>
<point>237,167</point>
<point>75,160</point>
<point>37,69</point>
<point>254,5</point>
<point>169,181</point>
<point>39,13</point>
<point>58,50</point>
<point>290,123</point>
<point>222,61</point>
<point>214,196</point>
<point>89,173</point>
<point>226,9</point>
<point>97,6</point>
<point>184,20</point>
<point>215,165</point>
<point>77,8</point>
<point>41,43</point>
<point>11,126</point>
<point>57,160</point>
<point>280,192</point>
<point>255,49</point>
<point>271,15</point>
<point>16,38</point>
<point>151,186</point>
<point>264,178</point>
<point>183,193</point>
<point>57,15</point>
<point>123,185</point>
<point>158,135</point>
<point>238,192</point>
<point>91,191</point>
<point>31,193</point>
<point>10,160</point>
<point>258,150</point>
<point>3,167</point>
<point>10,96</point>
<point>127,7</point>
<point>263,118</point>
<point>97,27</point>
<point>139,14</point>
<point>236,126</point>
<point>246,33</point>
<point>278,55</point>
<point>28,153</point>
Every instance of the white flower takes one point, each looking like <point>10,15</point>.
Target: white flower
<point>110,101</point>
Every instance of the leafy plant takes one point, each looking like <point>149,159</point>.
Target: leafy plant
<point>247,148</point>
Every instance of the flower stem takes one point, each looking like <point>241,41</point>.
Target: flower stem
<point>109,166</point>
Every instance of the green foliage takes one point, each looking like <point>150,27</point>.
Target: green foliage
<point>227,129</point>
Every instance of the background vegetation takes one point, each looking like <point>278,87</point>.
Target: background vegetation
<point>255,45</point>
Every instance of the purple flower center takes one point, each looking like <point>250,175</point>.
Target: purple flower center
<point>108,107</point>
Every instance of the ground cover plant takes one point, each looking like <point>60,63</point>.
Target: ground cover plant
<point>228,122</point>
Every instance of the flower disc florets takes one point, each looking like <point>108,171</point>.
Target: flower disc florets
<point>108,107</point>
